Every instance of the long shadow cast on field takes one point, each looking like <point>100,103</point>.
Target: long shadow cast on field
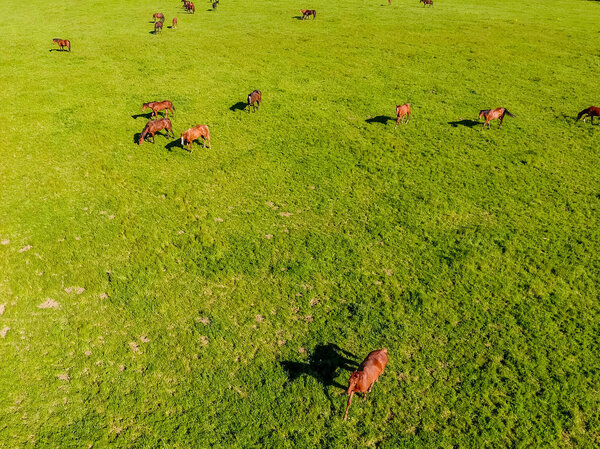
<point>58,49</point>
<point>297,17</point>
<point>324,365</point>
<point>175,144</point>
<point>147,116</point>
<point>383,119</point>
<point>239,106</point>
<point>465,122</point>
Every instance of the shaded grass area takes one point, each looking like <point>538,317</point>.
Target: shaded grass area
<point>229,292</point>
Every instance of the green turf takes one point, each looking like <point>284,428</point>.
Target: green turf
<point>471,255</point>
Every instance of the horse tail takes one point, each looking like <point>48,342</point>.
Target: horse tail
<point>507,113</point>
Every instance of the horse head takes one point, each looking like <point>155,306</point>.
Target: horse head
<point>354,378</point>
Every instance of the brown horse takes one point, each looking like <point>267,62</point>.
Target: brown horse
<point>592,111</point>
<point>158,26</point>
<point>62,43</point>
<point>254,100</point>
<point>402,111</point>
<point>306,13</point>
<point>370,369</point>
<point>214,5</point>
<point>174,23</point>
<point>197,132</point>
<point>158,16</point>
<point>426,2</point>
<point>158,106</point>
<point>154,126</point>
<point>493,114</point>
<point>191,8</point>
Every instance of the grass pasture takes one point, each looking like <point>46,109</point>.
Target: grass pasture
<point>221,298</point>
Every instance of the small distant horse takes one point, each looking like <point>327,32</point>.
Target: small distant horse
<point>158,26</point>
<point>191,8</point>
<point>158,106</point>
<point>254,100</point>
<point>402,111</point>
<point>592,111</point>
<point>214,5</point>
<point>158,16</point>
<point>426,2</point>
<point>493,114</point>
<point>154,126</point>
<point>306,13</point>
<point>62,43</point>
<point>174,26</point>
<point>197,132</point>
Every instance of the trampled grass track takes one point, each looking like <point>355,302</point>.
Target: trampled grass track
<point>472,256</point>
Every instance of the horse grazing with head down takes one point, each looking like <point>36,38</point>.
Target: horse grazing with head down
<point>158,26</point>
<point>154,126</point>
<point>158,16</point>
<point>254,100</point>
<point>426,2</point>
<point>174,26</point>
<point>190,7</point>
<point>214,5</point>
<point>197,132</point>
<point>402,110</point>
<point>62,43</point>
<point>493,114</point>
<point>370,369</point>
<point>306,13</point>
<point>592,111</point>
<point>158,106</point>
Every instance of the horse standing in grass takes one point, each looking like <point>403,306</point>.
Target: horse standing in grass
<point>214,5</point>
<point>402,111</point>
<point>62,43</point>
<point>493,114</point>
<point>154,126</point>
<point>426,2</point>
<point>592,111</point>
<point>158,16</point>
<point>197,132</point>
<point>306,13</point>
<point>370,369</point>
<point>191,8</point>
<point>254,100</point>
<point>158,26</point>
<point>158,106</point>
<point>174,26</point>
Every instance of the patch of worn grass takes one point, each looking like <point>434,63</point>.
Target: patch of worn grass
<point>226,292</point>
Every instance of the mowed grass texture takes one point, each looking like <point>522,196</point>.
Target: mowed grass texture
<point>222,298</point>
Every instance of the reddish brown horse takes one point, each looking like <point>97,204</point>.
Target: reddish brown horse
<point>158,106</point>
<point>426,2</point>
<point>370,369</point>
<point>402,110</point>
<point>306,13</point>
<point>154,126</point>
<point>174,23</point>
<point>158,16</point>
<point>254,100</point>
<point>62,43</point>
<point>158,26</point>
<point>190,7</point>
<point>592,111</point>
<point>493,114</point>
<point>197,132</point>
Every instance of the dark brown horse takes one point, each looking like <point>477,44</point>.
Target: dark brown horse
<point>426,2</point>
<point>157,106</point>
<point>254,100</point>
<point>592,111</point>
<point>493,114</point>
<point>154,126</point>
<point>174,23</point>
<point>370,369</point>
<point>62,43</point>
<point>158,16</point>
<point>190,7</point>
<point>306,13</point>
<point>158,26</point>
<point>214,5</point>
<point>402,111</point>
<point>197,132</point>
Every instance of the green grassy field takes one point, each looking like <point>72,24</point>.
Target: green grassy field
<point>221,298</point>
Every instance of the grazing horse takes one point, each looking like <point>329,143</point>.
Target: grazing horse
<point>191,8</point>
<point>214,5</point>
<point>174,23</point>
<point>306,13</point>
<point>158,16</point>
<point>592,111</point>
<point>370,369</point>
<point>158,26</point>
<point>154,126</point>
<point>62,43</point>
<point>197,132</point>
<point>157,106</point>
<point>254,100</point>
<point>426,2</point>
<point>402,111</point>
<point>493,114</point>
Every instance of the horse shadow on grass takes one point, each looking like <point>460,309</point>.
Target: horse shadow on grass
<point>383,119</point>
<point>465,122</point>
<point>297,17</point>
<point>58,49</point>
<point>147,116</point>
<point>324,364</point>
<point>239,106</point>
<point>175,144</point>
